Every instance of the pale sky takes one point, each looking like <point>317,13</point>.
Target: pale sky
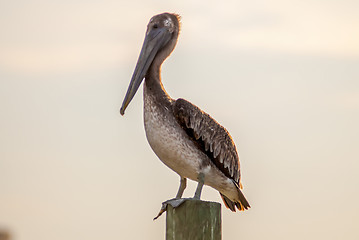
<point>281,76</point>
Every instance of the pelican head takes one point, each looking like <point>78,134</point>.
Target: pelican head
<point>160,40</point>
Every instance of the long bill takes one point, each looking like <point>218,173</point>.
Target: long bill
<point>155,39</point>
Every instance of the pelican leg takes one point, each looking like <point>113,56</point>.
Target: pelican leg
<point>198,192</point>
<point>175,202</point>
<point>182,187</point>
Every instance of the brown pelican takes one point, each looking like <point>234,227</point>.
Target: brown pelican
<point>184,138</point>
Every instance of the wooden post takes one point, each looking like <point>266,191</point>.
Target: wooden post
<point>194,220</point>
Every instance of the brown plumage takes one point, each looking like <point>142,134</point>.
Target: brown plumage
<point>215,141</point>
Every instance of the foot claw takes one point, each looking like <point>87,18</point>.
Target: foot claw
<point>175,202</point>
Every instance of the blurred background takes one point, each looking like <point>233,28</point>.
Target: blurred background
<point>281,76</point>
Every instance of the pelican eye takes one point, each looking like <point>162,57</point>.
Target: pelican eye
<point>155,25</point>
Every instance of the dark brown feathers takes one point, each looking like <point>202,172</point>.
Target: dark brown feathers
<point>210,137</point>
<point>213,140</point>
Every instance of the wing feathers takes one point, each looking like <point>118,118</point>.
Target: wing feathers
<point>210,136</point>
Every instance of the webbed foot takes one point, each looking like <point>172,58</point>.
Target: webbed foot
<point>174,202</point>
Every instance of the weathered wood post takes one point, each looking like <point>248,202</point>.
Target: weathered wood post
<point>194,220</point>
